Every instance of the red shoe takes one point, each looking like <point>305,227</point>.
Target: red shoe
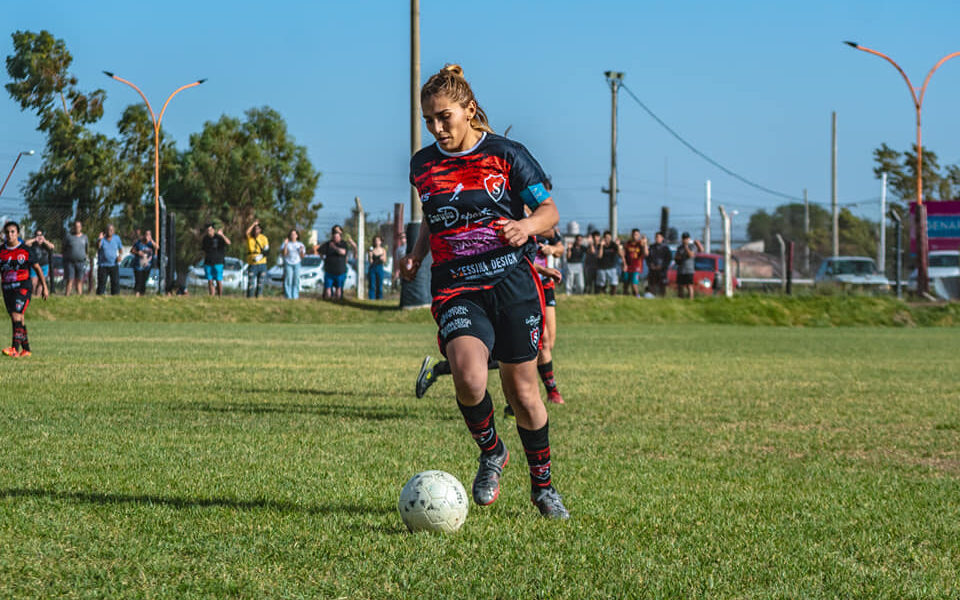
<point>11,351</point>
<point>24,353</point>
<point>555,397</point>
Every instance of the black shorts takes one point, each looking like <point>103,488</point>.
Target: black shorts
<point>507,318</point>
<point>549,297</point>
<point>684,278</point>
<point>17,299</point>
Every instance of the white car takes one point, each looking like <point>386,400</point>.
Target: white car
<point>125,274</point>
<point>942,264</point>
<point>234,274</point>
<point>311,273</point>
<point>851,272</point>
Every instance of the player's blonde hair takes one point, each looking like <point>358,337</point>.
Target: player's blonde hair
<point>449,82</point>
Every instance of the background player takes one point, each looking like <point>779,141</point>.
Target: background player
<point>548,251</point>
<point>487,298</point>
<point>15,267</point>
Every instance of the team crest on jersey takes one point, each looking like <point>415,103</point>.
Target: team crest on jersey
<point>495,186</point>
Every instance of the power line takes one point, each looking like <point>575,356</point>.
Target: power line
<point>704,156</point>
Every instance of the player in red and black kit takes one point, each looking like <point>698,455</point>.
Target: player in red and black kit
<point>487,297</point>
<point>15,267</point>
<point>549,247</point>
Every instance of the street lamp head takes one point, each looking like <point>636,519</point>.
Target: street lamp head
<point>29,152</point>
<point>853,45</point>
<point>199,81</point>
<point>108,74</point>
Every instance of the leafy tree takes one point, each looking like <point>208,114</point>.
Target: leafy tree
<point>901,170</point>
<point>78,166</point>
<point>236,171</point>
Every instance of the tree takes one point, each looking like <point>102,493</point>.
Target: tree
<point>79,166</point>
<point>901,170</point>
<point>236,171</point>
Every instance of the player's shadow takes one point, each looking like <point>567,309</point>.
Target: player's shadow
<point>183,503</point>
<point>353,303</point>
<point>346,411</point>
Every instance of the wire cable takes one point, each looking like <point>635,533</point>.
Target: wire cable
<point>693,149</point>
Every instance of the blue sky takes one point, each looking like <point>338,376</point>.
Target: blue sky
<point>752,84</point>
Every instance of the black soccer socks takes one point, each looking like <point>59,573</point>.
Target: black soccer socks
<point>536,445</point>
<point>480,422</point>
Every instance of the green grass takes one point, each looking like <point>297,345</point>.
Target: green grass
<point>235,459</point>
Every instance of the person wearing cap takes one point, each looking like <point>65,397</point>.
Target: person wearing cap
<point>214,245</point>
<point>684,257</point>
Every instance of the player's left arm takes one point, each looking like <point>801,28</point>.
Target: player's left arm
<point>542,219</point>
<point>548,272</point>
<point>44,291</point>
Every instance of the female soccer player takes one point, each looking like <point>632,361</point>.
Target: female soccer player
<point>15,267</point>
<point>487,298</point>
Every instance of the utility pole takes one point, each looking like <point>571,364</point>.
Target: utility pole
<point>806,232</point>
<point>614,78</point>
<point>882,258</point>
<point>416,141</point>
<point>706,223</point>
<point>833,187</point>
<point>361,249</point>
<point>416,293</point>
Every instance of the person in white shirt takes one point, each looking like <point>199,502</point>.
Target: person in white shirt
<point>292,252</point>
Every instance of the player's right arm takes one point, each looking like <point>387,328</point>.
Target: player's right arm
<point>411,262</point>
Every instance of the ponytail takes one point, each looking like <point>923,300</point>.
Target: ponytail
<point>449,82</point>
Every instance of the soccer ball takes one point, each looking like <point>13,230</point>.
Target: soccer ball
<point>433,501</point>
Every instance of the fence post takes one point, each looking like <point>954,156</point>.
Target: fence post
<point>361,252</point>
<point>783,264</point>
<point>727,268</point>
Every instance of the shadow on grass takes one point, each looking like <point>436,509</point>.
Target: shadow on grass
<point>353,303</point>
<point>346,411</point>
<point>180,503</point>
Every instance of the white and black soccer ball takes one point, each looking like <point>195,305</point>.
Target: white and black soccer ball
<point>433,501</point>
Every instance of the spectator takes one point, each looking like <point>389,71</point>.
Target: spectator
<point>40,251</point>
<point>575,255</point>
<point>257,248</point>
<point>399,252</point>
<point>686,265</point>
<point>377,257</point>
<point>292,252</point>
<point>607,255</point>
<point>143,252</point>
<point>214,245</point>
<point>334,252</point>
<point>658,260</point>
<point>75,247</point>
<point>590,263</point>
<point>634,251</point>
<point>109,251</point>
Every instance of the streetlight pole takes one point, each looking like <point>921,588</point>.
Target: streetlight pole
<point>923,281</point>
<point>156,142</point>
<point>10,174</point>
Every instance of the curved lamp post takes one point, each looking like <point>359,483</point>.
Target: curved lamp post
<point>10,174</point>
<point>156,141</point>
<point>923,281</point>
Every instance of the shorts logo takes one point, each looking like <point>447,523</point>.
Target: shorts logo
<point>535,337</point>
<point>495,186</point>
<point>532,320</point>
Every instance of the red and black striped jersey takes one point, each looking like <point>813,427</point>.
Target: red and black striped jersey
<point>466,197</point>
<point>15,264</point>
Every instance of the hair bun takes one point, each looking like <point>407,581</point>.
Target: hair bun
<point>455,69</point>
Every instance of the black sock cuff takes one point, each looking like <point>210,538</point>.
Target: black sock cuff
<point>479,413</point>
<point>535,440</point>
<point>545,368</point>
<point>442,368</point>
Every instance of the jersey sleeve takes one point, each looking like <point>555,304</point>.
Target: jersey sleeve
<point>528,179</point>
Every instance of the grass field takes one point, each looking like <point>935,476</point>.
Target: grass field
<point>207,460</point>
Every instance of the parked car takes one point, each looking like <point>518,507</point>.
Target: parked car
<point>234,274</point>
<point>311,273</point>
<point>708,273</point>
<point>126,273</point>
<point>942,264</point>
<point>851,272</point>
